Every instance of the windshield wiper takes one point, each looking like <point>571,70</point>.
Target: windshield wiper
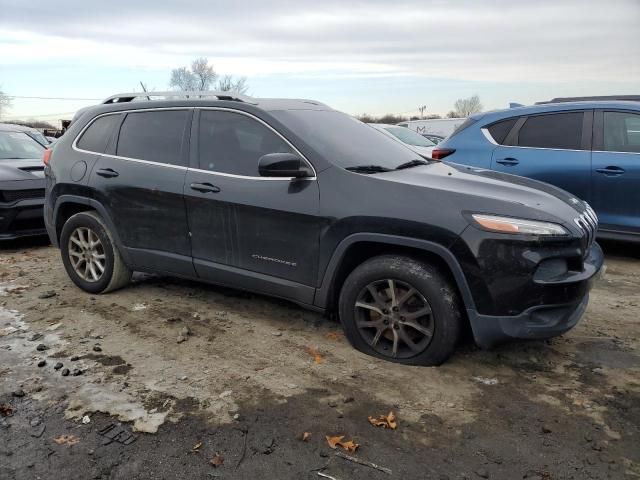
<point>411,163</point>
<point>368,169</point>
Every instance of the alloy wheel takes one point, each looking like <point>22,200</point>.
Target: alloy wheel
<point>87,254</point>
<point>394,318</point>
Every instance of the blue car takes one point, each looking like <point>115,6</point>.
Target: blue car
<point>591,149</point>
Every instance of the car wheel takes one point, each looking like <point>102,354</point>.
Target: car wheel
<point>90,255</point>
<point>401,309</point>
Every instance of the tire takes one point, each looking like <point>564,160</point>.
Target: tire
<point>430,318</point>
<point>114,274</point>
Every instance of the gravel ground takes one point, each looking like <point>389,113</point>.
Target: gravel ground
<point>173,379</point>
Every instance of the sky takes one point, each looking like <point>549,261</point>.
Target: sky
<point>369,56</point>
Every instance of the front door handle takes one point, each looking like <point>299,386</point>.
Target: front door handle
<point>508,161</point>
<point>107,173</point>
<point>204,188</point>
<point>611,171</point>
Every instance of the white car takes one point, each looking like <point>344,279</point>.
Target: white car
<point>416,142</point>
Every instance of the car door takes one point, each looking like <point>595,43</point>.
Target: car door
<point>551,147</point>
<point>258,233</point>
<point>616,169</point>
<point>140,182</point>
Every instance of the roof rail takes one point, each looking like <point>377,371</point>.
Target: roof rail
<point>128,97</point>
<point>626,98</point>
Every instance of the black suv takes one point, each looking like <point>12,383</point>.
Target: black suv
<point>293,199</point>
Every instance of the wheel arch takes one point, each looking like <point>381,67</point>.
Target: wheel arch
<point>68,205</point>
<point>357,248</point>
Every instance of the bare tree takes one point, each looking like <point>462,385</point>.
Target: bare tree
<point>202,76</point>
<point>467,106</point>
<point>5,102</point>
<point>203,73</point>
<point>183,79</point>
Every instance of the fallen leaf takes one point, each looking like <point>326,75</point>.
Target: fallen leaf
<point>217,460</point>
<point>6,410</point>
<point>66,440</point>
<point>317,358</point>
<point>305,436</point>
<point>197,446</point>
<point>384,421</point>
<point>335,336</point>
<point>349,445</point>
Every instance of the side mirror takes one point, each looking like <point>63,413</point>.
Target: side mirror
<point>283,165</point>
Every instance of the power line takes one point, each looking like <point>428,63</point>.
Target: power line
<point>53,98</point>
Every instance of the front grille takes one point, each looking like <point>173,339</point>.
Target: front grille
<point>588,225</point>
<point>9,196</point>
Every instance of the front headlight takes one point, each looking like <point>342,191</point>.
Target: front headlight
<point>499,224</point>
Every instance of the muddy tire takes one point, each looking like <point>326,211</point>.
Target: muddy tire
<point>90,256</point>
<point>402,310</point>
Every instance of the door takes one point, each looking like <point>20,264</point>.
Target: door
<point>258,233</point>
<point>616,170</point>
<point>554,148</point>
<point>140,182</point>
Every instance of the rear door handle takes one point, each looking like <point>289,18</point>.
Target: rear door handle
<point>611,171</point>
<point>508,161</point>
<point>107,173</point>
<point>204,188</point>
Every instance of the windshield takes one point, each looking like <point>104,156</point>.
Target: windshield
<point>410,137</point>
<point>343,140</point>
<point>18,145</point>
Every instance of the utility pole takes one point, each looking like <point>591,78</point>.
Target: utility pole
<point>422,109</point>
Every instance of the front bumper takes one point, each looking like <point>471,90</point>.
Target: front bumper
<point>540,321</point>
<point>22,219</point>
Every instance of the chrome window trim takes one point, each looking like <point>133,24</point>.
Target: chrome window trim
<point>615,151</point>
<point>75,147</point>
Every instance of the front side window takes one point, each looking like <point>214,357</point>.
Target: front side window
<point>233,143</point>
<point>558,130</point>
<point>622,132</point>
<point>96,137</point>
<point>154,136</point>
<point>18,145</point>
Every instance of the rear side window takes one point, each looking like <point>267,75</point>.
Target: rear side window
<point>501,129</point>
<point>621,132</point>
<point>96,137</point>
<point>154,136</point>
<point>559,130</point>
<point>233,143</point>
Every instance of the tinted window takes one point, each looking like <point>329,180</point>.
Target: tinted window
<point>621,132</point>
<point>559,130</point>
<point>500,130</point>
<point>154,136</point>
<point>96,137</point>
<point>343,140</point>
<point>233,143</point>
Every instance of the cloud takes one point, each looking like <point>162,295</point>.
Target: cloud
<point>486,41</point>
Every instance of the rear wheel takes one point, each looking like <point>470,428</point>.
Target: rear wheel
<point>90,256</point>
<point>402,310</point>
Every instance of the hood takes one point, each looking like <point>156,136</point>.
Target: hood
<point>23,169</point>
<point>492,192</point>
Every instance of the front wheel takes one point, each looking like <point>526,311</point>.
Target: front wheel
<point>90,256</point>
<point>401,309</point>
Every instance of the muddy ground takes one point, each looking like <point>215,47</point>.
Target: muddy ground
<point>167,375</point>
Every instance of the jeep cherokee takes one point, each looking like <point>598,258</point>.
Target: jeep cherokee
<point>293,199</point>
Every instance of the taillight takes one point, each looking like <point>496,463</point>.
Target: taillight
<point>440,153</point>
<point>46,156</point>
